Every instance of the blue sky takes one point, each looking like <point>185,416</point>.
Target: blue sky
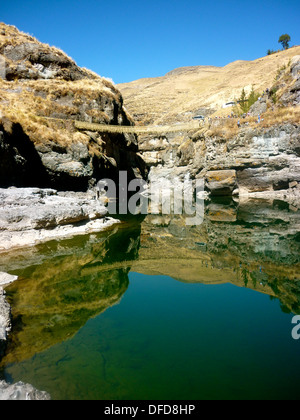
<point>128,40</point>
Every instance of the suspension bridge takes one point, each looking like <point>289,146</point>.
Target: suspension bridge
<point>135,129</point>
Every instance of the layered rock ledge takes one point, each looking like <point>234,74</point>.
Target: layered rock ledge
<point>21,392</point>
<point>29,216</point>
<point>254,163</point>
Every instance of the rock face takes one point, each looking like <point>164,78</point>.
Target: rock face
<point>29,216</point>
<point>253,161</point>
<point>265,156</point>
<point>42,91</point>
<point>21,392</point>
<point>5,321</point>
<point>221,182</point>
<point>70,282</point>
<point>292,96</point>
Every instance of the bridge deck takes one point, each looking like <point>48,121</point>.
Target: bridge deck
<point>104,128</point>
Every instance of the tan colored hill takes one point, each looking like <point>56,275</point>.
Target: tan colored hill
<point>187,91</point>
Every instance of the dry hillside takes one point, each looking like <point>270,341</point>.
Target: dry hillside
<point>187,91</point>
<point>42,91</point>
<point>42,81</point>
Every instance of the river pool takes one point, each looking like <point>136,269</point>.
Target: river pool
<point>157,310</point>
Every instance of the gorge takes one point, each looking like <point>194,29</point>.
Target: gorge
<point>97,305</point>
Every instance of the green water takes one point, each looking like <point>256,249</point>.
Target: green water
<point>104,327</point>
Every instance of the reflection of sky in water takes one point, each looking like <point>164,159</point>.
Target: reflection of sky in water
<point>87,326</point>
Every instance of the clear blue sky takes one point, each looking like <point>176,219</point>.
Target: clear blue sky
<point>128,40</point>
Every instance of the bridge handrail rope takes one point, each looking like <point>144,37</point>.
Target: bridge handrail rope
<point>130,129</point>
<point>136,129</point>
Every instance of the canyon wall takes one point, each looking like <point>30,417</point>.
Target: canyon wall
<point>253,154</point>
<point>42,91</point>
<point>254,161</point>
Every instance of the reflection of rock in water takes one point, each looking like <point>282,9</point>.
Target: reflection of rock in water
<point>253,244</point>
<point>55,297</point>
<point>63,284</point>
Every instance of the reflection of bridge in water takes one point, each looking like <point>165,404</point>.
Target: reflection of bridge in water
<point>104,128</point>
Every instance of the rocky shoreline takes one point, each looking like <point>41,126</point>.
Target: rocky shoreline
<point>30,216</point>
<point>5,318</point>
<point>20,391</point>
<point>44,159</point>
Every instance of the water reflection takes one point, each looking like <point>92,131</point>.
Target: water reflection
<point>63,284</point>
<point>253,244</point>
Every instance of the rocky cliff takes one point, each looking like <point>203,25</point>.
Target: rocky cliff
<point>254,154</point>
<point>42,91</point>
<point>29,216</point>
<point>254,161</point>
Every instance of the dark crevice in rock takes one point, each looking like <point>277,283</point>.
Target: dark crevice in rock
<point>20,163</point>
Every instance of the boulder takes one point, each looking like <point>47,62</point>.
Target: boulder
<point>221,183</point>
<point>6,278</point>
<point>21,392</point>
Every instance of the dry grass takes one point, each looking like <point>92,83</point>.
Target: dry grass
<point>25,108</point>
<point>226,129</point>
<point>281,116</point>
<point>11,36</point>
<point>25,101</point>
<point>182,94</point>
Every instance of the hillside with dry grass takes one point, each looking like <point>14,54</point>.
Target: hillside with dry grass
<point>254,144</point>
<point>42,91</point>
<point>188,91</point>
<point>42,81</point>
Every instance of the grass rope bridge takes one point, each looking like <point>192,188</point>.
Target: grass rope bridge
<point>130,129</point>
<point>104,128</point>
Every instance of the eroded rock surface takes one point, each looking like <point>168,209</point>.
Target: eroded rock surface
<point>29,216</point>
<point>264,152</point>
<point>5,321</point>
<point>21,392</point>
<point>262,160</point>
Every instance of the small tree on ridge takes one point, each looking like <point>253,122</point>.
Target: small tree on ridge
<point>284,41</point>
